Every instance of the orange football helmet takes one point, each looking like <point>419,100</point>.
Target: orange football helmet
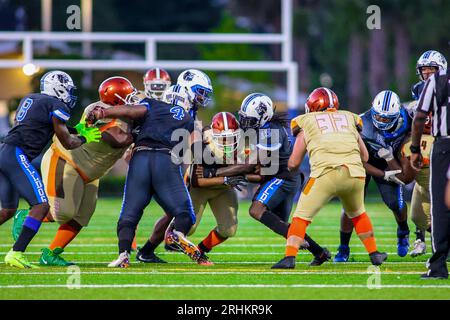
<point>321,99</point>
<point>156,81</point>
<point>225,131</point>
<point>116,91</point>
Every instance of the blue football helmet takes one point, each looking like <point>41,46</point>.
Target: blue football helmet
<point>385,110</point>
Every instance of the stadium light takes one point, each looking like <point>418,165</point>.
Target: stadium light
<point>29,69</point>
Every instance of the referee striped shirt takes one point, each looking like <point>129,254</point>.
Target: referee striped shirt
<point>435,98</point>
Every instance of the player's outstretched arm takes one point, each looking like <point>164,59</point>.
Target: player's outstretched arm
<point>134,112</point>
<point>298,153</point>
<point>62,132</point>
<point>117,138</point>
<point>235,170</point>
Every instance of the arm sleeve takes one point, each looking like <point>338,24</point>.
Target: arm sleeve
<point>60,111</point>
<point>358,122</point>
<point>428,96</point>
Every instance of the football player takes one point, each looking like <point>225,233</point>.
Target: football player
<point>429,63</point>
<point>199,92</point>
<point>336,155</point>
<point>39,116</point>
<point>156,81</point>
<point>220,147</point>
<point>385,128</point>
<point>71,177</point>
<point>272,202</point>
<point>154,170</point>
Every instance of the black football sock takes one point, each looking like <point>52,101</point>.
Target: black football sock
<point>203,248</point>
<point>313,247</point>
<point>125,233</point>
<point>148,248</point>
<point>403,226</point>
<point>345,238</point>
<point>420,235</point>
<point>29,230</point>
<point>274,223</point>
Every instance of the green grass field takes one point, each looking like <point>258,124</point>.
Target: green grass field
<point>241,270</point>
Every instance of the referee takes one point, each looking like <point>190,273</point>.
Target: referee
<point>434,102</point>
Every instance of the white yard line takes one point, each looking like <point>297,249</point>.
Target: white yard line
<point>156,273</point>
<point>261,286</point>
<point>231,245</point>
<point>215,253</point>
<point>262,262</point>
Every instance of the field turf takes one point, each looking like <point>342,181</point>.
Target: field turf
<point>241,270</point>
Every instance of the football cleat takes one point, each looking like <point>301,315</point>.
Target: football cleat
<point>321,258</point>
<point>17,259</point>
<point>18,221</point>
<point>123,261</point>
<point>402,243</point>
<point>204,260</point>
<point>343,254</point>
<point>148,258</point>
<point>285,263</point>
<point>377,258</point>
<point>52,258</point>
<point>172,248</point>
<point>420,248</point>
<point>432,276</point>
<point>177,239</point>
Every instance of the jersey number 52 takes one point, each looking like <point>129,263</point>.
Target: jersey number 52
<point>330,122</point>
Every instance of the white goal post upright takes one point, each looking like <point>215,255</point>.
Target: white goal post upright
<point>151,40</point>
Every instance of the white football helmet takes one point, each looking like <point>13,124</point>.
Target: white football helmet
<point>385,109</point>
<point>431,58</point>
<point>256,110</point>
<point>177,95</point>
<point>198,84</point>
<point>60,85</point>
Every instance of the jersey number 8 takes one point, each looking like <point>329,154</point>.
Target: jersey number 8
<point>23,109</point>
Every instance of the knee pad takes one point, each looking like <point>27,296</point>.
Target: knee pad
<point>227,232</point>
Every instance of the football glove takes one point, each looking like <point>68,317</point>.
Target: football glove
<point>90,134</point>
<point>390,176</point>
<point>235,182</point>
<point>386,154</point>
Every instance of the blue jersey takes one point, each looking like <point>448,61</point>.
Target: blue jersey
<point>376,139</point>
<point>416,89</point>
<point>273,136</point>
<point>33,127</point>
<point>160,121</point>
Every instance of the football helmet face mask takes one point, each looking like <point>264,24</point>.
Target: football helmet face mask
<point>156,81</point>
<point>60,85</point>
<point>225,132</point>
<point>430,58</point>
<point>321,99</point>
<point>178,96</point>
<point>117,91</point>
<point>256,110</point>
<point>385,110</point>
<point>198,84</point>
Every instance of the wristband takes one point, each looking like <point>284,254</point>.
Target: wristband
<point>83,139</point>
<point>414,149</point>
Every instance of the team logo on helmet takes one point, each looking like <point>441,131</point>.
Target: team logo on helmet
<point>261,109</point>
<point>188,76</point>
